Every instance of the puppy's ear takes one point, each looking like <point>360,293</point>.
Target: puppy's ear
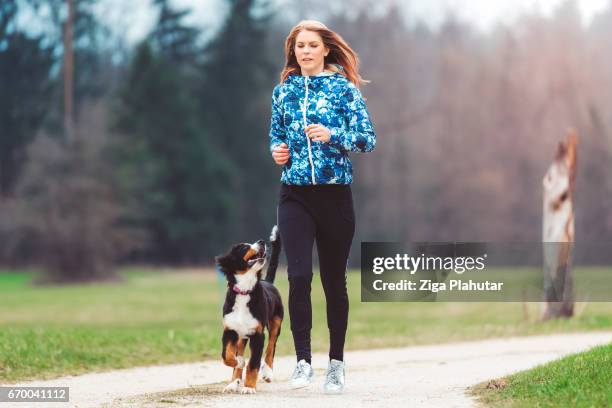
<point>230,263</point>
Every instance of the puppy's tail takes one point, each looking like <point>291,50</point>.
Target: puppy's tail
<point>275,242</point>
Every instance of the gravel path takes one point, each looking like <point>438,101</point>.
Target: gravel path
<point>418,376</point>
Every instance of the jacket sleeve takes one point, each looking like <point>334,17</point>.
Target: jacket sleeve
<point>277,130</point>
<point>360,136</point>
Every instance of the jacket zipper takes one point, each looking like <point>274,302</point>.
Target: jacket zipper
<point>312,172</point>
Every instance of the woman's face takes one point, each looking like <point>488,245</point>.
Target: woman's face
<point>310,52</point>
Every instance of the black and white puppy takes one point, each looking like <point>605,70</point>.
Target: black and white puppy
<point>250,305</point>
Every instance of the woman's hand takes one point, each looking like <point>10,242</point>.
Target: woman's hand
<point>280,154</point>
<point>318,133</point>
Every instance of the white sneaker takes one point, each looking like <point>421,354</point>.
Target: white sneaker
<point>302,375</point>
<point>334,378</point>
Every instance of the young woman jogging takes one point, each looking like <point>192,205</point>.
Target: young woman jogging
<point>318,117</point>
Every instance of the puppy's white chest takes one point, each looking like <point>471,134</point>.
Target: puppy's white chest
<point>240,318</point>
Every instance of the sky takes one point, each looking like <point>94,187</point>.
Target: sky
<point>483,13</point>
<point>486,13</point>
<point>136,17</point>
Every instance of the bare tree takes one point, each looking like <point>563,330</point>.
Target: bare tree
<point>69,205</point>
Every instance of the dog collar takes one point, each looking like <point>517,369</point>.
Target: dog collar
<point>240,292</point>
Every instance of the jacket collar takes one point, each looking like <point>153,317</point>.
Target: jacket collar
<point>300,79</point>
<point>324,73</point>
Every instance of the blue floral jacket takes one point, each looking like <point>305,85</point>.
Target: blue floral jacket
<point>333,101</point>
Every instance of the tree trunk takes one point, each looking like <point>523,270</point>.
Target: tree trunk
<point>558,231</point>
<point>68,73</point>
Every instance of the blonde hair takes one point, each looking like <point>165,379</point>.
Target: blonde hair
<point>340,52</point>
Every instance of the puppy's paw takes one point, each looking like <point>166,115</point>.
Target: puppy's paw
<point>234,386</point>
<point>266,373</point>
<point>240,361</point>
<point>247,390</point>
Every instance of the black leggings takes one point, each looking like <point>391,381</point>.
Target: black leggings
<point>325,214</point>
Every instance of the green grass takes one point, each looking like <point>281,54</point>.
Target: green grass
<point>579,380</point>
<point>155,317</point>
